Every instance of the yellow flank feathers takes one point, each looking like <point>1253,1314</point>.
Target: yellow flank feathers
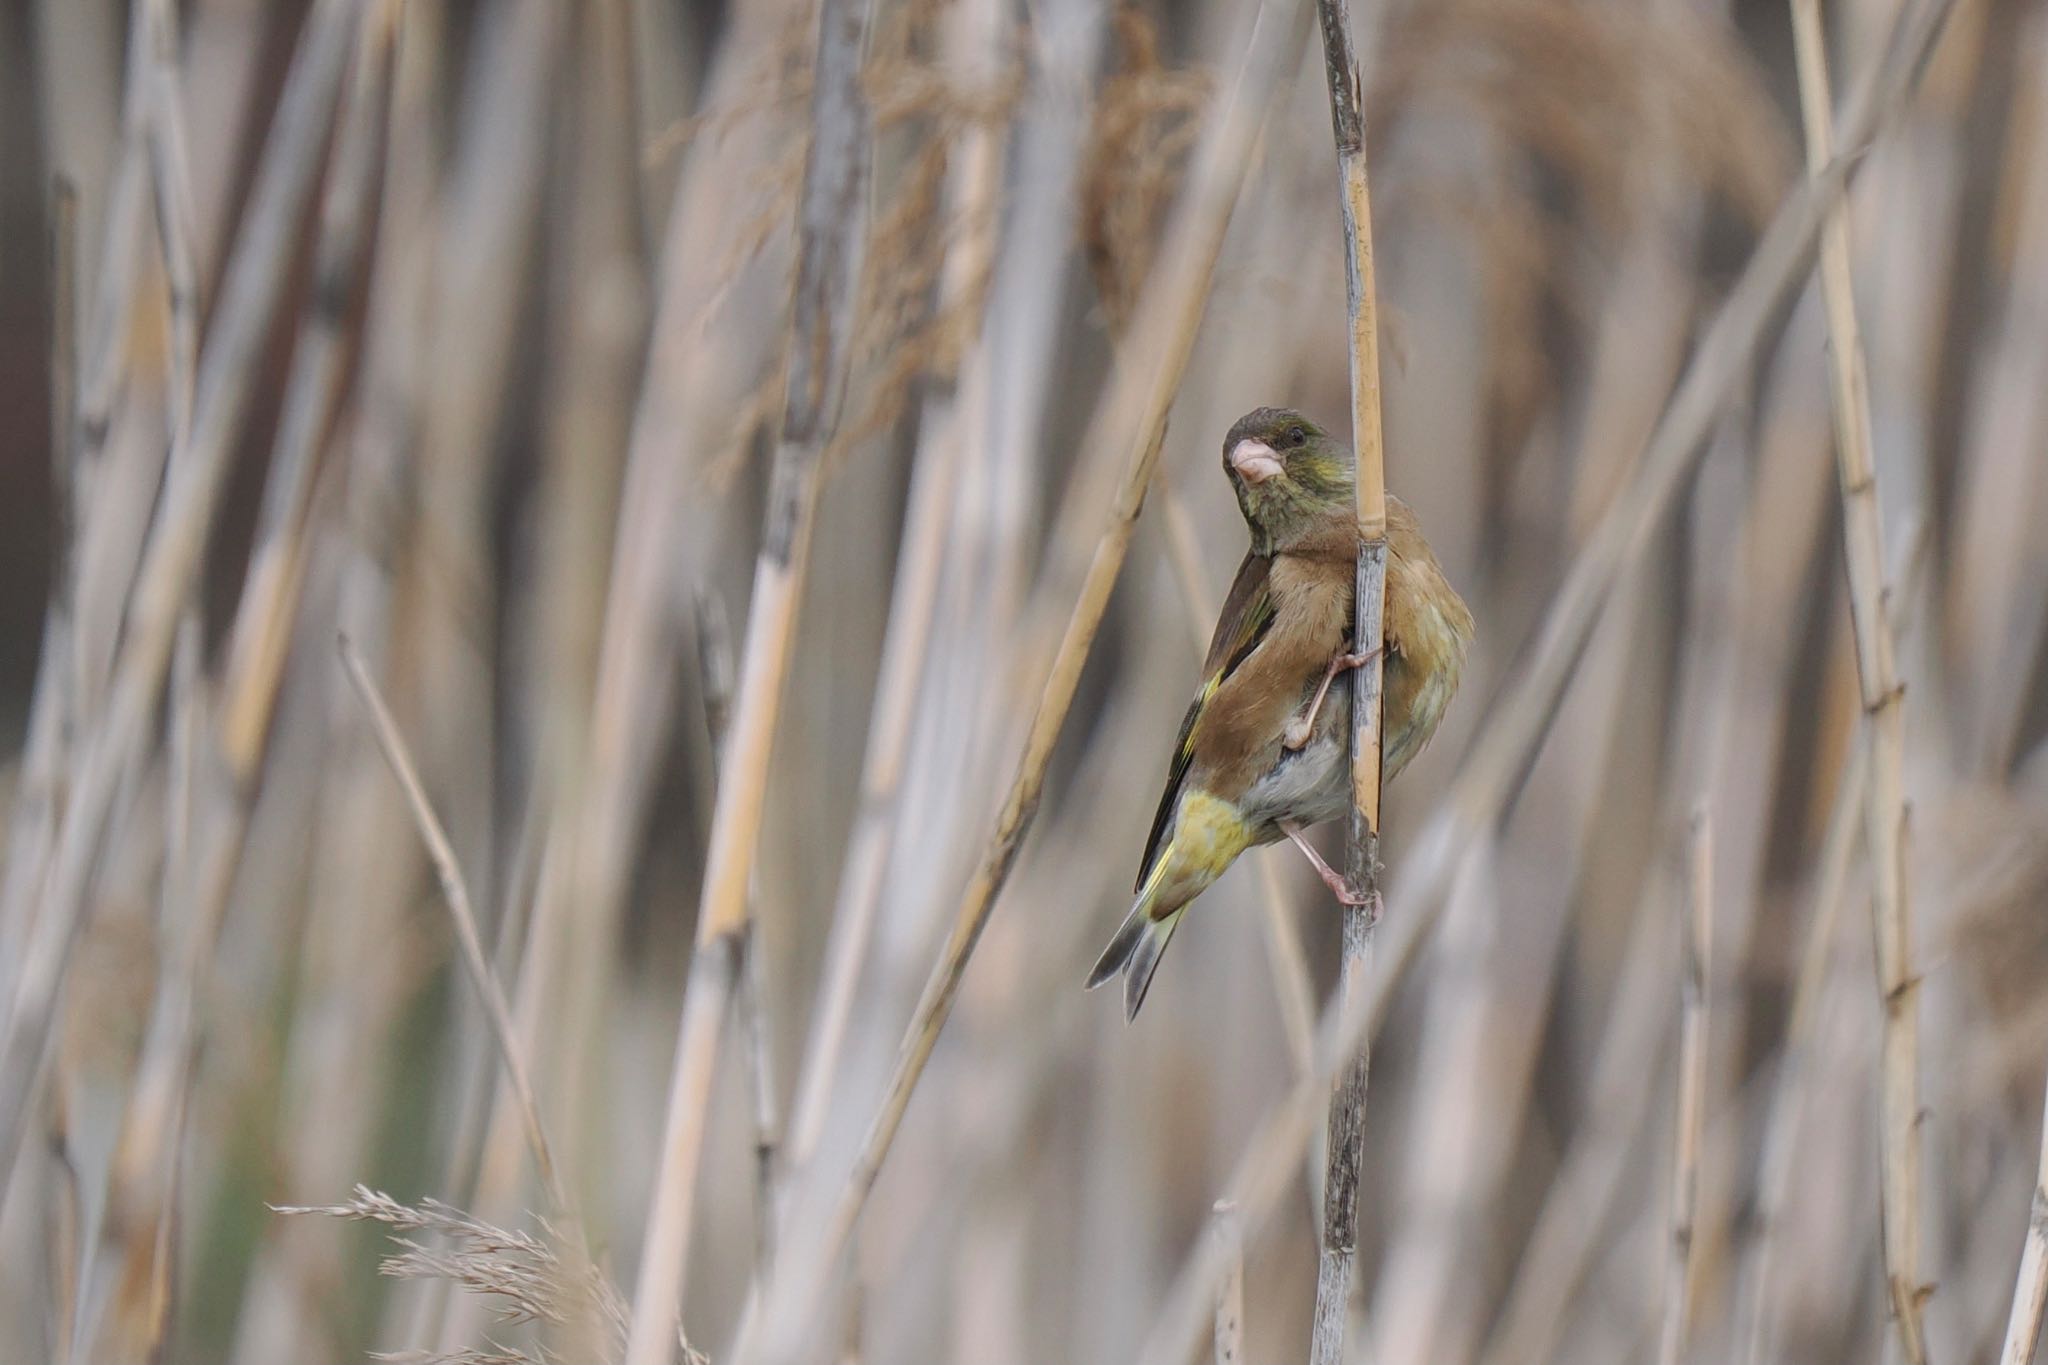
<point>1208,834</point>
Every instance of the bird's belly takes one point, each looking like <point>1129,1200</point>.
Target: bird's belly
<point>1304,788</point>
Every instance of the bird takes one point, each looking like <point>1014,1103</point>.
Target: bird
<point>1264,749</point>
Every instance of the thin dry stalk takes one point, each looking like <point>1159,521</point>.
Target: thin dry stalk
<point>39,789</point>
<point>714,659</point>
<point>1131,419</point>
<point>1514,726</point>
<point>131,1285</point>
<point>2030,1289</point>
<point>171,177</point>
<point>63,1229</point>
<point>176,546</point>
<point>63,350</point>
<point>831,236</point>
<point>455,891</point>
<point>1346,1154</point>
<point>1884,730</point>
<point>1695,1004</point>
<point>1518,721</point>
<point>261,635</point>
<point>946,429</point>
<point>1790,1087</point>
<point>1228,1229</point>
<point>141,1203</point>
<point>1555,1257</point>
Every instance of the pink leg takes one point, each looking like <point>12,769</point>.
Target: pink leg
<point>1303,726</point>
<point>1331,877</point>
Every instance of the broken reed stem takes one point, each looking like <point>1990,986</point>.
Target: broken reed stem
<point>1346,1154</point>
<point>1228,1230</point>
<point>2030,1288</point>
<point>1517,723</point>
<point>1692,1082</point>
<point>455,891</point>
<point>1130,418</point>
<point>1884,731</point>
<point>714,660</point>
<point>831,238</point>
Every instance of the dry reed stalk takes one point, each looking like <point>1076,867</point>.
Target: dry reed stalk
<point>1518,722</point>
<point>1554,1258</point>
<point>714,659</point>
<point>176,546</point>
<point>1346,1154</point>
<point>1789,1089</point>
<point>1513,728</point>
<point>573,935</point>
<point>973,189</point>
<point>260,636</point>
<point>39,788</point>
<point>1227,1229</point>
<point>62,1225</point>
<point>1131,418</point>
<point>831,233</point>
<point>596,291</point>
<point>455,891</point>
<point>352,980</point>
<point>2030,1288</point>
<point>86,377</point>
<point>102,363</point>
<point>171,178</point>
<point>864,865</point>
<point>1883,703</point>
<point>130,1283</point>
<point>1695,1012</point>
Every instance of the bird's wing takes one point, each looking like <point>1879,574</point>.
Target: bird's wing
<point>1247,615</point>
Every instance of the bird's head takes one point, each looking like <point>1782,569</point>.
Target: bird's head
<point>1289,475</point>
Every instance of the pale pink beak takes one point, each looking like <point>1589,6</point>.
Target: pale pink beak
<point>1254,461</point>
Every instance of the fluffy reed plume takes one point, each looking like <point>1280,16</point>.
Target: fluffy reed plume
<point>555,353</point>
<point>523,1277</point>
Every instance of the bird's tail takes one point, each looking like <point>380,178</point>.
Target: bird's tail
<point>1135,952</point>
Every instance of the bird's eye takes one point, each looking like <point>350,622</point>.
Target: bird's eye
<point>1297,436</point>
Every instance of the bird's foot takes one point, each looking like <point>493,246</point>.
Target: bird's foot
<point>1303,727</point>
<point>1332,878</point>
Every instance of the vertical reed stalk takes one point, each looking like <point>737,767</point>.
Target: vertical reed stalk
<point>831,239</point>
<point>1346,1155</point>
<point>1228,1230</point>
<point>177,543</point>
<point>455,891</point>
<point>1131,419</point>
<point>1695,1004</point>
<point>1884,728</point>
<point>2030,1288</point>
<point>1516,723</point>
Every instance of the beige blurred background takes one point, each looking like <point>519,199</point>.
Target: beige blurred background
<point>473,317</point>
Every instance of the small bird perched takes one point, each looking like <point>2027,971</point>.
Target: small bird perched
<point>1264,751</point>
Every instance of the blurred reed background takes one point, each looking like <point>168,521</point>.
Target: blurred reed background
<point>460,327</point>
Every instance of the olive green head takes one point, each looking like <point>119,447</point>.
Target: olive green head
<point>1288,473</point>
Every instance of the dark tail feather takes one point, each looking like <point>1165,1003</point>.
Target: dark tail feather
<point>1134,952</point>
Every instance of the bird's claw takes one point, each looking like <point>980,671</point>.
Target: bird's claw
<point>1303,727</point>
